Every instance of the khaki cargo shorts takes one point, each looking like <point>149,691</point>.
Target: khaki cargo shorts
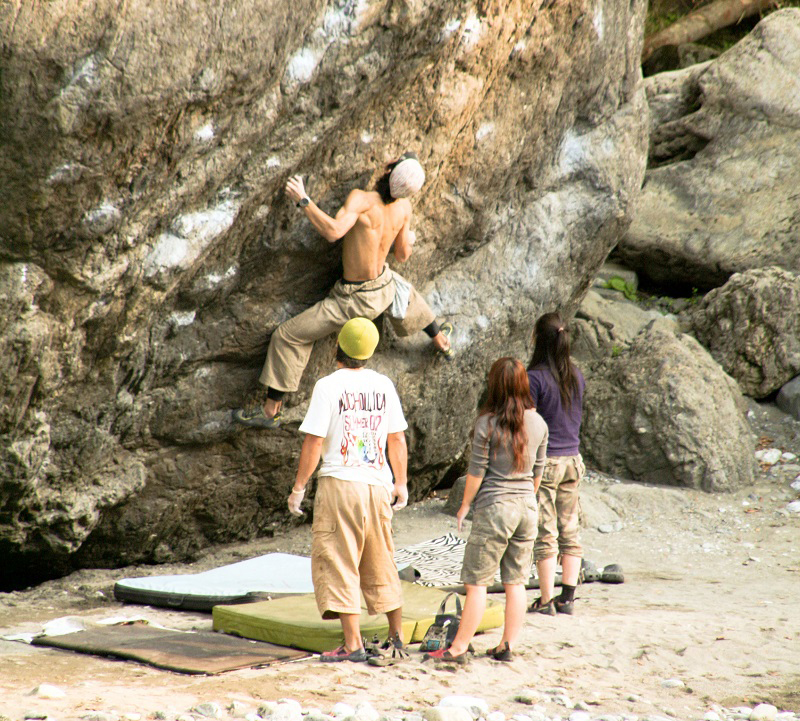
<point>559,508</point>
<point>352,550</point>
<point>502,536</point>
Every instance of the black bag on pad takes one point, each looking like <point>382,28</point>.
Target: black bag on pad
<point>442,631</point>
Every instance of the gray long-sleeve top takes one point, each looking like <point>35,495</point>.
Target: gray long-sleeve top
<point>493,460</point>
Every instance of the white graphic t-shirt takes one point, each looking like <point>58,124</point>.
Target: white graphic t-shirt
<point>354,410</point>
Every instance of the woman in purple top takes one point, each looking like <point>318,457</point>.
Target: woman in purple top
<point>557,391</point>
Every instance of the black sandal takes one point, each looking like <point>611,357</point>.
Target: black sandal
<point>500,652</point>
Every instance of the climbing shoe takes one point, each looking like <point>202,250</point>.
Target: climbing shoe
<point>446,329</point>
<point>256,418</point>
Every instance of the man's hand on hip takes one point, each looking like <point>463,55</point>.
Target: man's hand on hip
<point>399,496</point>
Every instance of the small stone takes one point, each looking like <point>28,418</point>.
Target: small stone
<point>98,716</point>
<point>564,701</point>
<point>132,716</point>
<point>48,691</point>
<point>580,716</point>
<point>365,711</point>
<point>252,716</point>
<point>341,709</point>
<point>672,683</point>
<point>764,712</point>
<point>496,716</point>
<point>795,484</point>
<point>711,716</point>
<point>317,715</point>
<point>528,696</point>
<point>786,716</point>
<point>581,706</point>
<point>788,457</point>
<point>266,708</point>
<point>476,706</point>
<point>208,709</point>
<point>769,456</point>
<point>290,710</point>
<point>237,709</point>
<point>447,713</point>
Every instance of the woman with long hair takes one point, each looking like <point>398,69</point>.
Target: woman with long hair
<point>509,443</point>
<point>556,387</point>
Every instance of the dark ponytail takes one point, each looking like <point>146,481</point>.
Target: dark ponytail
<point>551,350</point>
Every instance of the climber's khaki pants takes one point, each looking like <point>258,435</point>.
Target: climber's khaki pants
<point>291,343</point>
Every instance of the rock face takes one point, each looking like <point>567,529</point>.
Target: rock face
<point>148,251</point>
<point>664,412</point>
<point>788,398</point>
<point>720,195</point>
<point>751,325</point>
<point>605,327</point>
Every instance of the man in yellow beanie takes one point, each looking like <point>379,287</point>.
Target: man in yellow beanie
<point>355,423</point>
<point>372,223</point>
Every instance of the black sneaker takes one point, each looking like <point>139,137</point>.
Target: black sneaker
<point>548,609</point>
<point>564,606</point>
<point>256,418</point>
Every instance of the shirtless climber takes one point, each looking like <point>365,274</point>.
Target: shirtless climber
<point>372,223</point>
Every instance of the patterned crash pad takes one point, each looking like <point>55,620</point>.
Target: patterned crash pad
<point>296,621</point>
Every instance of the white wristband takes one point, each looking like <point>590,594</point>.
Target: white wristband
<point>302,490</point>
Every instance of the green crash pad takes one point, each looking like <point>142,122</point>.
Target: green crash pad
<point>295,621</point>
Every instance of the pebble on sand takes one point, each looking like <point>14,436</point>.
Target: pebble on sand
<point>48,691</point>
<point>447,713</point>
<point>764,712</point>
<point>476,706</point>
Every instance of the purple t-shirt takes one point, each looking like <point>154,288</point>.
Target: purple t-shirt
<point>564,425</point>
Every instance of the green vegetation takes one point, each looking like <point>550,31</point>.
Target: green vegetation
<point>621,285</point>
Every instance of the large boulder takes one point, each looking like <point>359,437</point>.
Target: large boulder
<point>720,195</point>
<point>148,251</point>
<point>605,327</point>
<point>664,412</point>
<point>751,325</point>
<point>788,398</point>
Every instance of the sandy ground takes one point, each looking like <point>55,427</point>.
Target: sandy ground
<point>712,597</point>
